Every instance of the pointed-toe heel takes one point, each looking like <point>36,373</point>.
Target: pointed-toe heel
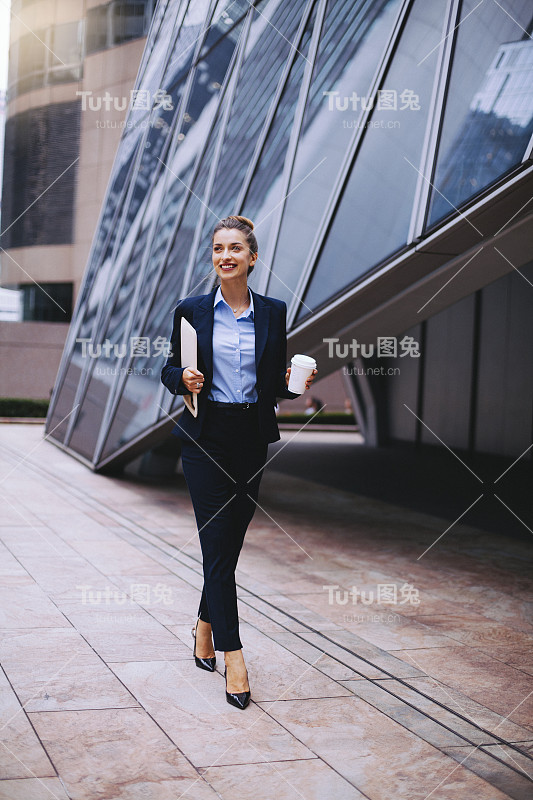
<point>237,699</point>
<point>208,664</point>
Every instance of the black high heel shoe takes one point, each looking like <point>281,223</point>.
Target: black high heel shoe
<point>237,699</point>
<point>204,663</point>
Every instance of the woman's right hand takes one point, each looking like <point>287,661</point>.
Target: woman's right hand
<point>193,380</point>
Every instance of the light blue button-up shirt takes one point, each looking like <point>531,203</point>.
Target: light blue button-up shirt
<point>234,374</point>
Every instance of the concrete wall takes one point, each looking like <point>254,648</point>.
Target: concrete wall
<point>473,385</point>
<point>30,353</point>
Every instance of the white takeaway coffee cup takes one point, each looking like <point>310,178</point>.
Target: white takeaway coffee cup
<point>301,369</point>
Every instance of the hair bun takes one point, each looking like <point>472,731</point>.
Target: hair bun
<point>245,221</point>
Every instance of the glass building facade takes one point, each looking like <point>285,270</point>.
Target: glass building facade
<point>350,132</point>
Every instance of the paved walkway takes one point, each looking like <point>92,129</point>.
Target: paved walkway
<point>353,696</point>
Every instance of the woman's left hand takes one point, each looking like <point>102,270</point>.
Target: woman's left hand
<point>308,382</point>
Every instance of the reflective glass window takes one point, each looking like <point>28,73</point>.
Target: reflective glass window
<point>113,340</point>
<point>226,18</point>
<point>65,55</point>
<point>97,24</point>
<point>31,60</point>
<point>351,46</point>
<point>274,25</point>
<point>129,20</point>
<point>61,409</point>
<point>374,211</point>
<point>47,302</point>
<point>196,126</point>
<point>36,207</point>
<point>265,190</point>
<point>488,118</point>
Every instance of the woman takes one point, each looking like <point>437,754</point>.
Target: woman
<point>242,357</point>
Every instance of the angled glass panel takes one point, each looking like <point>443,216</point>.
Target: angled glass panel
<point>58,417</point>
<point>162,8</point>
<point>226,20</point>
<point>166,105</point>
<point>162,32</point>
<point>488,118</point>
<point>374,210</point>
<point>265,191</point>
<point>129,144</point>
<point>137,408</point>
<point>274,26</point>
<point>115,201</point>
<point>111,346</point>
<point>150,171</point>
<point>352,43</point>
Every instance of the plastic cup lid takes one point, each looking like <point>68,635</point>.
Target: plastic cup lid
<point>303,361</point>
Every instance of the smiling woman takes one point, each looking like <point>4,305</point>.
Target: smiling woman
<point>235,253</point>
<point>242,358</point>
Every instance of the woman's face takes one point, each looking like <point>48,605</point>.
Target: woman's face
<point>231,255</point>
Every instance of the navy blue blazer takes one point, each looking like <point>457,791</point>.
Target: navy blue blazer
<point>270,317</point>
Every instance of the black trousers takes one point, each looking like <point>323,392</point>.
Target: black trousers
<point>223,470</point>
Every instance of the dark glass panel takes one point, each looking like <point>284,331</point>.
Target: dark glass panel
<point>137,408</point>
<point>113,356</point>
<point>37,208</point>
<point>274,26</point>
<point>265,190</point>
<point>47,302</point>
<point>161,121</point>
<point>488,118</point>
<point>97,29</point>
<point>130,20</point>
<point>60,412</point>
<point>225,22</point>
<point>352,43</point>
<point>374,211</point>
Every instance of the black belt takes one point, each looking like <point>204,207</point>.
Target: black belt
<point>233,406</point>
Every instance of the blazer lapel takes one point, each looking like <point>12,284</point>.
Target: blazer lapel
<point>261,322</point>
<point>203,316</point>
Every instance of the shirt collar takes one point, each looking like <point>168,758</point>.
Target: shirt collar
<point>219,297</point>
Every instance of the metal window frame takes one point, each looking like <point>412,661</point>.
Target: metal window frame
<point>106,304</point>
<point>269,118</point>
<point>225,105</point>
<point>294,139</point>
<point>116,392</point>
<point>250,172</point>
<point>430,144</point>
<point>426,226</point>
<point>286,187</point>
<point>266,124</point>
<point>347,163</point>
<point>397,259</point>
<point>528,155</point>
